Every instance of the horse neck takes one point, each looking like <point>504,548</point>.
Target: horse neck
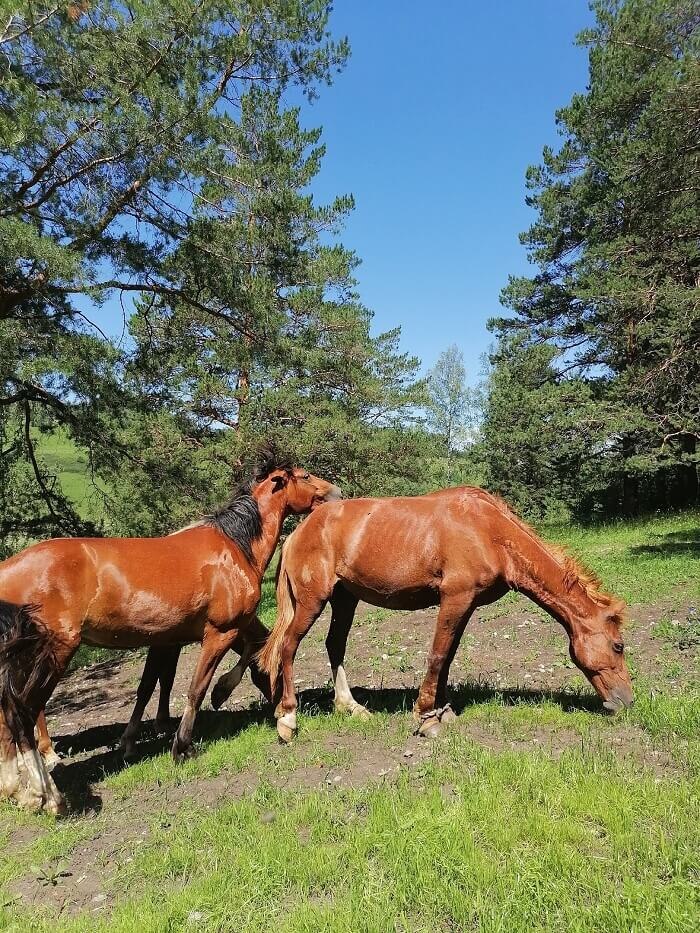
<point>535,571</point>
<point>273,511</point>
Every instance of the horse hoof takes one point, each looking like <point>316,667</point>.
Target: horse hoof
<point>181,752</point>
<point>56,805</point>
<point>51,759</point>
<point>127,747</point>
<point>360,712</point>
<point>29,799</point>
<point>429,728</point>
<point>287,727</point>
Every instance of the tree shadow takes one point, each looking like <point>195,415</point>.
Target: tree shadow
<point>671,544</point>
<point>75,779</point>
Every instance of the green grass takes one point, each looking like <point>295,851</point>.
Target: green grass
<point>641,561</point>
<point>513,837</point>
<point>70,465</point>
<point>683,634</point>
<point>472,839</point>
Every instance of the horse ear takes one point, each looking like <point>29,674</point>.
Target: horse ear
<point>279,482</point>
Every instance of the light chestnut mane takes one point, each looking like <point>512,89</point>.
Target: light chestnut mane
<point>574,571</point>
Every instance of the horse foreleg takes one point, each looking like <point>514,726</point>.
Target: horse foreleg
<point>286,711</point>
<point>343,605</point>
<point>431,709</point>
<point>161,664</point>
<point>215,644</point>
<point>41,791</point>
<point>225,685</point>
<point>46,749</point>
<point>247,644</point>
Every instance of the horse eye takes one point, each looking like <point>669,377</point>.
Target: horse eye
<point>618,647</point>
<point>306,476</point>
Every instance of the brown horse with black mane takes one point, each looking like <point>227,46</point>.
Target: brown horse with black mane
<point>459,549</point>
<point>201,584</point>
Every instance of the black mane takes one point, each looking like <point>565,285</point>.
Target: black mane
<point>240,520</point>
<point>269,460</point>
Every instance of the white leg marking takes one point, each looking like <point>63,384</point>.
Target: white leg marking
<point>51,759</point>
<point>287,726</point>
<point>35,791</point>
<point>344,700</point>
<point>9,776</point>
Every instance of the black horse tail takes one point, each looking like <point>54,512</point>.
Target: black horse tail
<point>27,664</point>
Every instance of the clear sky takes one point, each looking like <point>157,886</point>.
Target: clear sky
<point>431,126</point>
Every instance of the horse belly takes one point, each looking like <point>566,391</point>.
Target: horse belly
<point>420,597</point>
<point>139,633</point>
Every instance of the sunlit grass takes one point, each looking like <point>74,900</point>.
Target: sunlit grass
<point>472,840</point>
<point>496,839</point>
<point>639,560</point>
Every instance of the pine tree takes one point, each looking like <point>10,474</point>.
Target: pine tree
<point>147,154</point>
<point>538,436</point>
<point>616,242</point>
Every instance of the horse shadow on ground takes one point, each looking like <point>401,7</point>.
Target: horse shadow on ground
<point>76,778</point>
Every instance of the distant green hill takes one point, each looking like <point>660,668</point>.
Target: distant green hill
<point>71,466</point>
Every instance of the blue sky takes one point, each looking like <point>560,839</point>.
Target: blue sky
<point>431,126</point>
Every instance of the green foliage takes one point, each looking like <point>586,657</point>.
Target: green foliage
<point>533,445</point>
<point>616,242</point>
<point>450,406</point>
<point>147,152</point>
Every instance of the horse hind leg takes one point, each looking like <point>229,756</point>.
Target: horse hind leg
<point>286,711</point>
<point>343,605</point>
<point>9,768</point>
<point>32,660</point>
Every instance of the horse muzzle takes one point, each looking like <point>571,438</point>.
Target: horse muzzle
<point>620,697</point>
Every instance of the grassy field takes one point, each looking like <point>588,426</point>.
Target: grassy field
<point>533,812</point>
<point>471,838</point>
<point>70,465</point>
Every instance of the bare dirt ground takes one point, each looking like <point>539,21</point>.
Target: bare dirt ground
<point>511,650</point>
<point>517,653</point>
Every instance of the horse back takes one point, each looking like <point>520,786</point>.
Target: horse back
<point>397,545</point>
<point>122,592</point>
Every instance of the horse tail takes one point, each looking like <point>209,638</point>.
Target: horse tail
<point>27,664</point>
<point>269,658</point>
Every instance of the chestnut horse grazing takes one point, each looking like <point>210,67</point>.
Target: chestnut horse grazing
<point>201,584</point>
<point>458,549</point>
